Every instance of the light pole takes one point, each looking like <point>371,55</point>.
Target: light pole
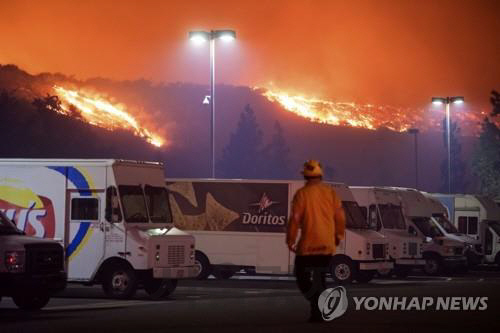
<point>447,101</point>
<point>201,37</point>
<point>415,132</point>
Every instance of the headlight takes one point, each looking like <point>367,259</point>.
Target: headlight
<point>14,261</point>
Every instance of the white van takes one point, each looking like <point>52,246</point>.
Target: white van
<point>478,217</point>
<point>111,216</point>
<point>440,251</point>
<point>241,224</point>
<point>382,209</point>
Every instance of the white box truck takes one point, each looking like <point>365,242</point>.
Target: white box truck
<point>441,252</point>
<point>473,247</point>
<point>382,209</point>
<point>112,217</point>
<point>31,269</point>
<point>241,224</point>
<point>478,217</point>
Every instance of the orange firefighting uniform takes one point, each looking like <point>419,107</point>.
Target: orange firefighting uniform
<point>317,211</point>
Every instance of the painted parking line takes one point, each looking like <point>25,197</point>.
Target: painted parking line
<point>102,305</point>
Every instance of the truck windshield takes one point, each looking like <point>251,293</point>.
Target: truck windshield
<point>134,205</point>
<point>425,225</point>
<point>157,201</point>
<point>495,225</point>
<point>445,223</point>
<point>392,216</point>
<point>7,227</point>
<point>354,216</point>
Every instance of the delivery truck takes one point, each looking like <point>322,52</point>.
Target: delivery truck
<point>382,209</point>
<point>478,217</point>
<point>31,269</point>
<point>473,248</point>
<point>112,217</point>
<point>441,252</point>
<point>241,225</point>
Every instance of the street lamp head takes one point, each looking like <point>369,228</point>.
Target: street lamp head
<point>457,99</point>
<point>225,35</point>
<point>438,100</point>
<point>199,37</point>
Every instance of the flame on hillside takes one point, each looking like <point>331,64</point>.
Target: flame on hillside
<point>371,116</point>
<point>102,113</point>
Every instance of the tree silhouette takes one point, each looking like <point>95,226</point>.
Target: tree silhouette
<point>486,157</point>
<point>276,156</point>
<point>241,158</point>
<point>458,167</point>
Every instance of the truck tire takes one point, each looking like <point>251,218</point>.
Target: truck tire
<point>365,276</point>
<point>433,265</point>
<point>31,302</point>
<point>159,288</point>
<point>205,269</point>
<point>119,281</point>
<point>342,270</point>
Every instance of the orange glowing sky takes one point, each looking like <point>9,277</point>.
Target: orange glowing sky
<point>397,52</point>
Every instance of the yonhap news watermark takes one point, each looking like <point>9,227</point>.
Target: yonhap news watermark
<point>333,303</point>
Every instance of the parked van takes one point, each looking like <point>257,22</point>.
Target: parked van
<point>32,269</point>
<point>439,251</point>
<point>478,217</point>
<point>382,209</point>
<point>241,225</point>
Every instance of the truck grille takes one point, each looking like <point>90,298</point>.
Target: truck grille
<point>457,251</point>
<point>412,249</point>
<point>44,258</point>
<point>378,251</point>
<point>176,255</point>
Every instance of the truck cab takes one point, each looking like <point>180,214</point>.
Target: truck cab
<point>472,246</point>
<point>439,251</point>
<point>477,217</point>
<point>363,251</point>
<point>31,269</point>
<point>382,209</point>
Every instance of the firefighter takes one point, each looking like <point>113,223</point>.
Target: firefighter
<point>317,211</point>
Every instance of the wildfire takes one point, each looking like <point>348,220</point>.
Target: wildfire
<point>370,116</point>
<point>102,113</point>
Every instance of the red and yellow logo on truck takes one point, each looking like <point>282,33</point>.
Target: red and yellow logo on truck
<point>32,213</point>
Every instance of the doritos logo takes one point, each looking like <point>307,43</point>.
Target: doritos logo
<point>32,213</point>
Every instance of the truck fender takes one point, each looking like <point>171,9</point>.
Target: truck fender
<point>111,261</point>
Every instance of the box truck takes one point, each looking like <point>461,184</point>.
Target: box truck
<point>31,269</point>
<point>440,251</point>
<point>382,209</point>
<point>241,225</point>
<point>473,248</point>
<point>478,217</point>
<point>112,217</point>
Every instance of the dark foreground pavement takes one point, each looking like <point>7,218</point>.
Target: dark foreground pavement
<point>257,306</point>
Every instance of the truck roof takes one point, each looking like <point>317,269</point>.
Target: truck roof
<point>71,162</point>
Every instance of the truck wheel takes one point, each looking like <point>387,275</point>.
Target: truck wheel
<point>204,267</point>
<point>433,266</point>
<point>365,276</point>
<point>31,302</point>
<point>159,288</point>
<point>119,282</point>
<point>402,271</point>
<point>341,270</point>
<point>223,274</point>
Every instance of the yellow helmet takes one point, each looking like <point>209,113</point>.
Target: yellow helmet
<point>312,168</point>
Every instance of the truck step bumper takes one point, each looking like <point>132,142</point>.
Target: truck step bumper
<point>184,272</point>
<point>410,262</point>
<point>451,262</point>
<point>376,265</point>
